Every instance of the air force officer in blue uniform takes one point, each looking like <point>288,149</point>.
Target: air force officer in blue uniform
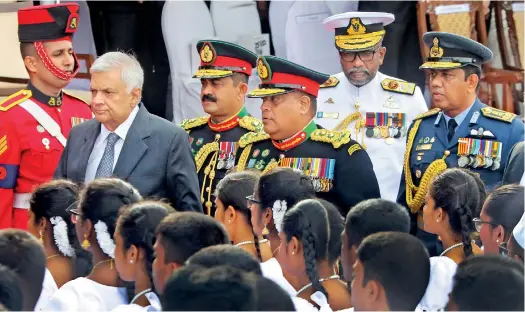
<point>460,132</point>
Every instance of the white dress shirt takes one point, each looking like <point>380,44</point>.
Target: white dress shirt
<point>102,141</point>
<point>336,103</point>
<point>49,287</point>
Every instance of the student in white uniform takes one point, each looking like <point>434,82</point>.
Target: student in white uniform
<point>303,255</point>
<point>277,191</point>
<point>50,222</point>
<point>134,239</point>
<point>376,108</point>
<point>95,221</point>
<point>233,213</point>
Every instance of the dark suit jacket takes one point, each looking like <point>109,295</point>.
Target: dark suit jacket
<point>515,167</point>
<point>156,159</point>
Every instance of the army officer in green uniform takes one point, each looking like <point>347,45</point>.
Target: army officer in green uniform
<point>340,168</point>
<point>224,72</point>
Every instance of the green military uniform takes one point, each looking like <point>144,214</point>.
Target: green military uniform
<point>214,145</point>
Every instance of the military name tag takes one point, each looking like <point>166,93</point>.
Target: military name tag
<point>424,147</point>
<point>329,115</point>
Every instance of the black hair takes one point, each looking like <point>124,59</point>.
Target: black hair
<point>488,283</point>
<point>102,199</point>
<point>52,199</point>
<point>308,222</point>
<point>222,288</point>
<point>23,254</point>
<point>239,77</point>
<point>456,192</point>
<point>27,49</point>
<point>313,103</point>
<point>271,297</point>
<point>400,263</point>
<point>137,224</point>
<point>182,234</point>
<point>472,70</point>
<point>373,216</point>
<point>10,292</point>
<point>232,191</point>
<point>226,255</point>
<point>336,223</point>
<point>481,188</point>
<point>504,206</point>
<point>286,184</point>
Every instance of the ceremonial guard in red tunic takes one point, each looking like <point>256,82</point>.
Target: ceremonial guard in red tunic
<point>35,122</point>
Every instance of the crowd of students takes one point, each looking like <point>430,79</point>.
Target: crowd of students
<point>272,246</point>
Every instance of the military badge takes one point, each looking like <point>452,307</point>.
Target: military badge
<point>207,53</point>
<point>263,70</point>
<point>436,50</point>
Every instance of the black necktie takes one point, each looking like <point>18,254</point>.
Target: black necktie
<point>452,124</point>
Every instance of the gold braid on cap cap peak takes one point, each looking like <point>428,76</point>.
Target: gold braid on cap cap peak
<point>415,195</point>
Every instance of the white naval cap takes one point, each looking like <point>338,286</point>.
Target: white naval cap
<point>358,31</point>
<point>519,232</point>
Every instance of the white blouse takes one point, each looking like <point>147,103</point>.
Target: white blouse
<point>154,306</point>
<point>49,287</point>
<point>271,269</point>
<point>83,294</point>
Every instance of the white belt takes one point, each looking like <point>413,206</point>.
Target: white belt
<point>22,200</point>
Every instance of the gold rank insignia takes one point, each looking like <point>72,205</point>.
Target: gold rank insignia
<point>3,144</point>
<point>336,138</point>
<point>494,113</point>
<point>207,53</point>
<point>398,86</point>
<point>436,50</point>
<point>252,137</point>
<point>429,113</point>
<point>330,83</point>
<point>356,27</point>
<point>188,124</point>
<point>263,70</point>
<point>251,123</point>
<point>73,23</point>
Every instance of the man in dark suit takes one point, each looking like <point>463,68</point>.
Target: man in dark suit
<point>126,141</point>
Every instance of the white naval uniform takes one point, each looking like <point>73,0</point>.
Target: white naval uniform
<point>334,104</point>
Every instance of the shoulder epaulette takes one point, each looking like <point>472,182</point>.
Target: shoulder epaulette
<point>398,86</point>
<point>336,138</point>
<point>426,114</point>
<point>252,137</point>
<point>76,97</point>
<point>251,123</point>
<point>14,99</point>
<point>494,113</point>
<point>188,124</point>
<point>330,83</point>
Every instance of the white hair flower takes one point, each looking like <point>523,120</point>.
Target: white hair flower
<point>61,238</point>
<point>279,208</point>
<point>104,240</point>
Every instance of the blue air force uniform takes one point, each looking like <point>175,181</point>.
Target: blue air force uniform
<point>478,139</point>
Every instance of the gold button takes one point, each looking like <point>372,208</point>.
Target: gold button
<point>418,157</point>
<point>447,152</point>
<point>59,110</point>
<point>418,173</point>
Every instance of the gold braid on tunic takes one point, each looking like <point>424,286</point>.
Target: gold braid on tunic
<point>415,195</point>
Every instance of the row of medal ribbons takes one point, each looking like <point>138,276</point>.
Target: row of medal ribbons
<point>477,153</point>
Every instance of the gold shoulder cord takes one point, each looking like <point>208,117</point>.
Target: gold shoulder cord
<point>415,201</point>
<point>243,158</point>
<point>359,125</point>
<point>209,172</point>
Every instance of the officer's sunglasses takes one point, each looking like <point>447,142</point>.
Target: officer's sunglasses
<point>364,56</point>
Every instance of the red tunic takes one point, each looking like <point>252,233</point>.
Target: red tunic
<point>28,153</point>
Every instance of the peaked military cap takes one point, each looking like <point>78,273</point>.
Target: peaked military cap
<point>447,51</point>
<point>221,59</point>
<point>358,31</point>
<point>48,22</point>
<point>280,76</point>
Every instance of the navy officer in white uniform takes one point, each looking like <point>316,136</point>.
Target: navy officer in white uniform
<point>376,108</point>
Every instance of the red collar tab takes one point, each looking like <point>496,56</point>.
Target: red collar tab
<point>229,123</point>
<point>296,139</point>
